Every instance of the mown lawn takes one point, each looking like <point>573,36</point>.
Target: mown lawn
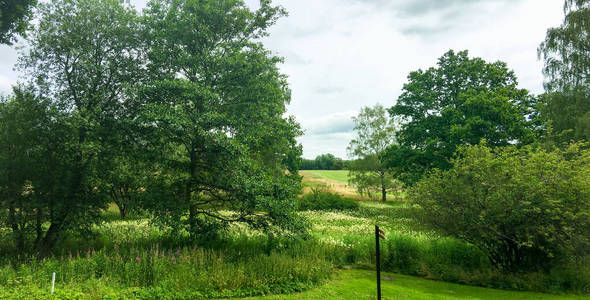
<point>360,284</point>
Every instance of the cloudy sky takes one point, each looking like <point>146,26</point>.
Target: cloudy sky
<point>341,55</point>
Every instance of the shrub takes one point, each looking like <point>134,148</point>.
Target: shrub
<point>321,199</point>
<point>526,209</point>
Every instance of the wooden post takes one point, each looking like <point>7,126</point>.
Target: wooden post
<point>378,262</point>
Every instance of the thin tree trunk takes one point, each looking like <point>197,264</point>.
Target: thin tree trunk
<point>188,197</point>
<point>123,211</point>
<point>383,189</point>
<point>16,230</point>
<point>38,228</point>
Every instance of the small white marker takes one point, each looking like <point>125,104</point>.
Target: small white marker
<point>52,283</point>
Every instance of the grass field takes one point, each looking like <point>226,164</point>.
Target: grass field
<point>360,284</point>
<point>337,181</point>
<point>336,175</point>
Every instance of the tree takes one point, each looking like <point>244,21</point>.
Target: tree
<point>565,116</point>
<point>375,131</point>
<point>24,124</point>
<point>462,101</point>
<point>14,18</point>
<point>324,162</point>
<point>524,208</point>
<point>84,55</point>
<point>565,51</point>
<point>216,102</point>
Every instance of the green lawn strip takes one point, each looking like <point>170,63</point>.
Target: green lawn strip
<point>337,175</point>
<point>360,284</point>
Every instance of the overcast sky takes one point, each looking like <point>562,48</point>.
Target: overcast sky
<point>341,55</point>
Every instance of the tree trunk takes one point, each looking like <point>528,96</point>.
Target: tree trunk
<point>123,211</point>
<point>38,226</point>
<point>383,189</point>
<point>45,246</point>
<point>192,217</point>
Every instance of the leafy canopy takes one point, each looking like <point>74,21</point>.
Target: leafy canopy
<point>565,108</point>
<point>525,208</point>
<point>14,19</point>
<point>216,102</point>
<point>84,58</point>
<point>461,101</point>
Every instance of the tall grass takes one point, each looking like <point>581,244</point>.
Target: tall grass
<point>248,266</point>
<point>136,260</point>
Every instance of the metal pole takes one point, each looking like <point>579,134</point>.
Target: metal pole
<point>378,262</point>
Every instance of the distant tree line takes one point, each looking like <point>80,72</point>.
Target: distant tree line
<point>325,162</point>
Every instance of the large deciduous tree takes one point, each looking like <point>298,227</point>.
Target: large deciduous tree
<point>84,56</point>
<point>461,101</point>
<point>374,132</point>
<point>566,53</point>
<point>217,102</point>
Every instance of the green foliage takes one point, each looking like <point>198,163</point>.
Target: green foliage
<point>461,101</point>
<point>83,57</point>
<point>25,139</point>
<point>565,49</point>
<point>321,199</point>
<point>324,162</point>
<point>193,132</point>
<point>410,249</point>
<point>374,133</point>
<point>14,18</point>
<point>526,209</point>
<point>566,116</point>
<point>215,107</point>
<point>565,108</point>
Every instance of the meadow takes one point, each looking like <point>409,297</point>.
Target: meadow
<point>134,259</point>
<point>336,175</point>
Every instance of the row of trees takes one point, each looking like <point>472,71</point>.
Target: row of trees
<point>178,110</point>
<point>325,162</point>
<point>488,162</point>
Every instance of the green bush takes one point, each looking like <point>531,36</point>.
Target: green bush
<point>527,209</point>
<point>321,199</point>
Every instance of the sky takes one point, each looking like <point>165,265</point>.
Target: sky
<point>341,55</point>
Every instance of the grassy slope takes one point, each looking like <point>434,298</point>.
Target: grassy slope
<point>337,175</point>
<point>360,284</point>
